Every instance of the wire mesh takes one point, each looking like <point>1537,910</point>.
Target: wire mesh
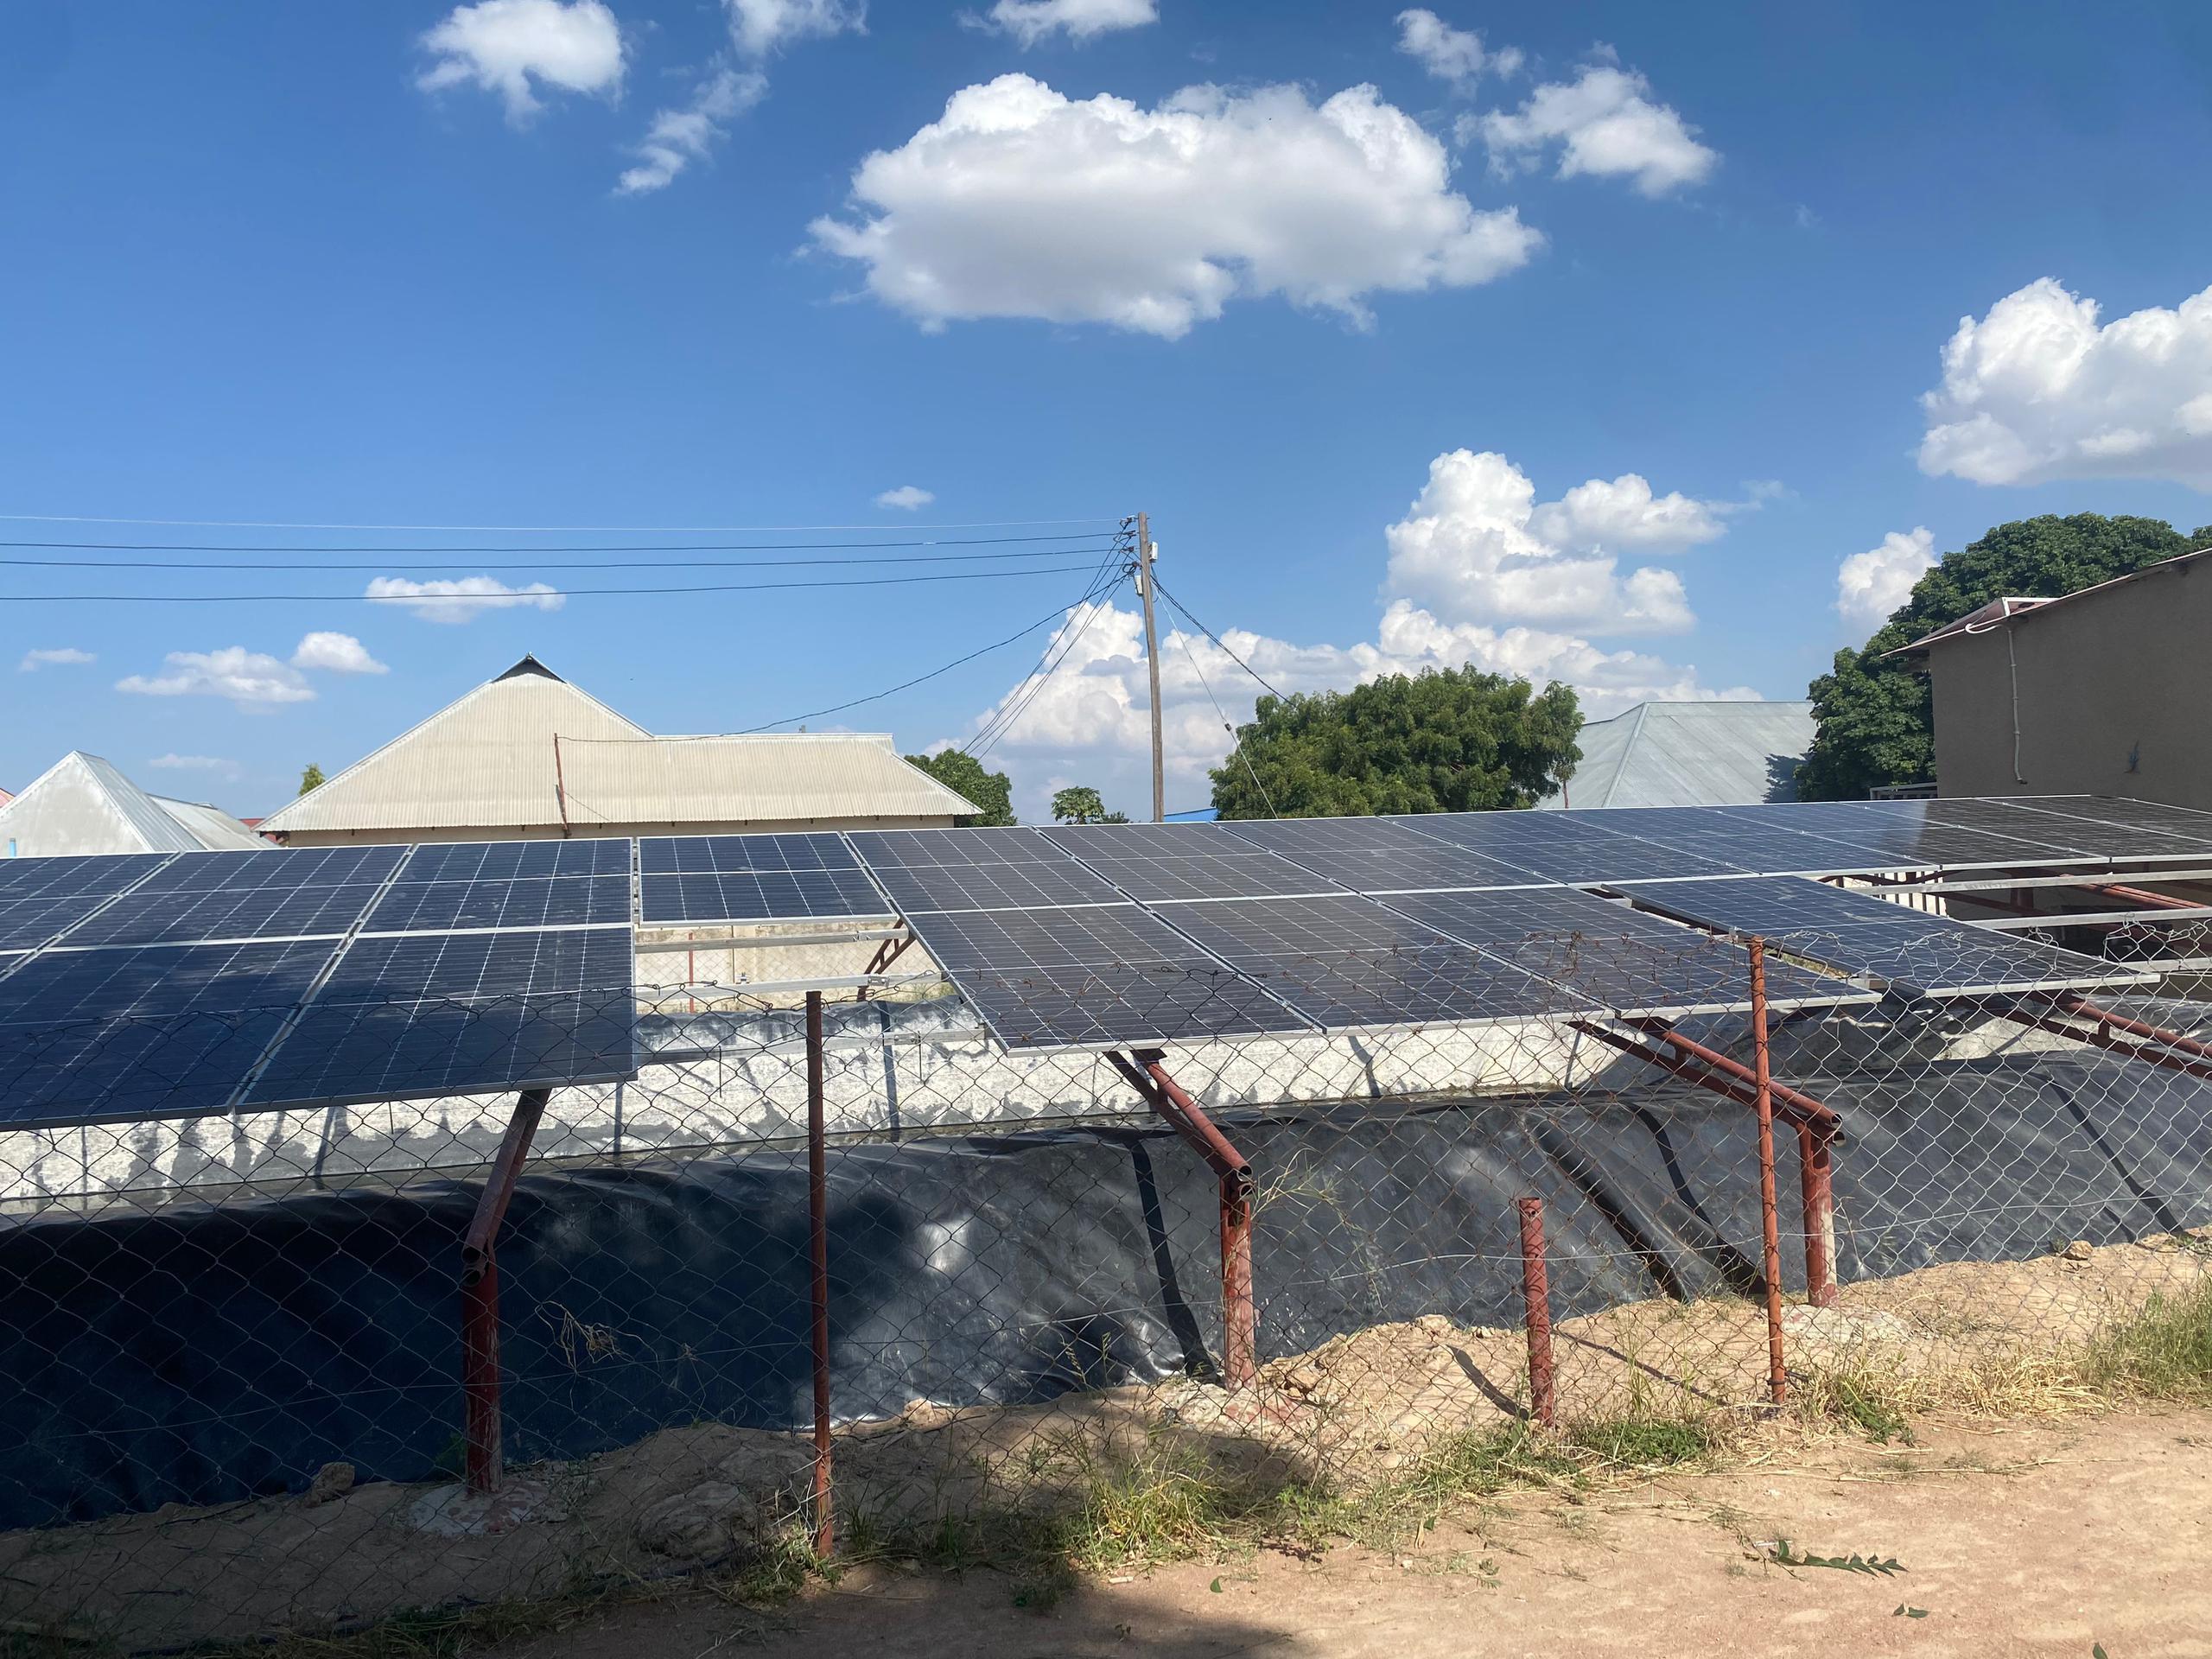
<point>235,1346</point>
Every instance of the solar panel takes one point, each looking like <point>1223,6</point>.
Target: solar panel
<point>1166,878</point>
<point>430,1013</point>
<point>144,917</point>
<point>310,866</point>
<point>1101,976</point>
<point>1430,868</point>
<point>507,861</point>
<point>1857,934</point>
<point>1294,836</point>
<point>102,874</point>
<point>713,855</point>
<point>1144,840</point>
<point>2125,831</point>
<point>1633,963</point>
<point>1753,843</point>
<point>1347,963</point>
<point>27,922</point>
<point>977,844</point>
<point>122,1035</point>
<point>531,902</point>
<point>1902,834</point>
<point>915,887</point>
<point>742,896</point>
<point>1562,847</point>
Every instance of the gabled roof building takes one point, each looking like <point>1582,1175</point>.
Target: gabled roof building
<point>1702,753</point>
<point>82,805</point>
<point>528,756</point>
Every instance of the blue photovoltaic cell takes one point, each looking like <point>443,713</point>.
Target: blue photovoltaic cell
<point>1566,847</point>
<point>1099,977</point>
<point>531,902</point>
<point>144,917</point>
<point>737,896</point>
<point>975,844</point>
<point>915,888</point>
<point>427,1013</point>
<point>26,923</point>
<point>309,867</point>
<point>507,861</point>
<point>121,1035</point>
<point>715,854</point>
<point>52,878</point>
<point>1858,934</point>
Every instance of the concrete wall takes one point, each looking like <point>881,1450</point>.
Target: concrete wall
<point>588,831</point>
<point>2115,696</point>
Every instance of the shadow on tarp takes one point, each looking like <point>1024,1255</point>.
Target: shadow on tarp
<point>202,1354</point>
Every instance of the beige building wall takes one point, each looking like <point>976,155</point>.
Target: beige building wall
<point>2114,695</point>
<point>592,831</point>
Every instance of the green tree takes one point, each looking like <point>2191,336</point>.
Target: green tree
<point>1449,740</point>
<point>963,774</point>
<point>311,778</point>
<point>1875,724</point>
<point>1080,805</point>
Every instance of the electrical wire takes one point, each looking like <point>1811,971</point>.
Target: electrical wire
<point>1103,518</point>
<point>530,592</point>
<point>1236,748</point>
<point>1087,537</point>
<point>1032,686</point>
<point>399,562</point>
<point>1211,634</point>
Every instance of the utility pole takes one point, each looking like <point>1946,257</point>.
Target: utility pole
<point>1152,665</point>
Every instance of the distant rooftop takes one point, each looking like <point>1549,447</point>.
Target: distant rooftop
<point>82,805</point>
<point>1690,754</point>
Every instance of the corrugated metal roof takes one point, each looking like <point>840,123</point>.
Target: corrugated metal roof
<point>2010,609</point>
<point>490,760</point>
<point>82,805</point>
<point>1732,754</point>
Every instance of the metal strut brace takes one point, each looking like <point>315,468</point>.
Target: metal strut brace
<point>886,953</point>
<point>1147,1075</point>
<point>480,1296</point>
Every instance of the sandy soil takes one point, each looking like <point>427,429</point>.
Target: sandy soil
<point>2028,1540</point>
<point>1995,1339</point>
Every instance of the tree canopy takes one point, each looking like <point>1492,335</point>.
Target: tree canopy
<point>964,775</point>
<point>1079,803</point>
<point>311,777</point>
<point>1875,723</point>
<point>1442,740</point>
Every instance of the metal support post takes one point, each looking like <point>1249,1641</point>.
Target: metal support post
<point>1770,1224</point>
<point>817,1217</point>
<point>1536,1301</point>
<point>1816,1186</point>
<point>480,1298</point>
<point>1239,1332</point>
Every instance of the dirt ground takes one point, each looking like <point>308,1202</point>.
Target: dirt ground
<point>1981,1341</point>
<point>2047,1539</point>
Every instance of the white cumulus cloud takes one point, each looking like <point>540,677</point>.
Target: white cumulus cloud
<point>208,763</point>
<point>1605,123</point>
<point>461,601</point>
<point>2038,390</point>
<point>515,48</point>
<point>1477,549</point>
<point>336,653</point>
<point>1019,203</point>
<point>1871,585</point>
<point>687,132</point>
<point>760,27</point>
<point>53,656</point>
<point>251,679</point>
<point>1455,55</point>
<point>1032,20</point>
<point>907,497</point>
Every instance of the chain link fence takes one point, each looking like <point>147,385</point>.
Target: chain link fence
<point>838,1270</point>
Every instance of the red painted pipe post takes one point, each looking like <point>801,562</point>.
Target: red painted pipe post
<point>482,1433</point>
<point>1240,1320</point>
<point>1770,1222</point>
<point>817,1217</point>
<point>1536,1300</point>
<point>1816,1172</point>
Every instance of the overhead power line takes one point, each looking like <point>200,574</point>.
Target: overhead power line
<point>1211,634</point>
<point>400,561</point>
<point>532,592</point>
<point>1102,519</point>
<point>1089,538</point>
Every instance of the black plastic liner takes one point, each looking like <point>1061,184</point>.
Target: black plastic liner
<point>200,1354</point>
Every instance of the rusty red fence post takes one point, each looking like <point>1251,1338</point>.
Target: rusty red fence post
<point>1536,1301</point>
<point>481,1436</point>
<point>818,1227</point>
<point>1770,1222</point>
<point>1817,1182</point>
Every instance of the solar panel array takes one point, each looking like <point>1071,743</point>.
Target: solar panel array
<point>1858,934</point>
<point>151,984</point>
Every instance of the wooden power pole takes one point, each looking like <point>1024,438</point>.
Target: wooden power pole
<point>1152,665</point>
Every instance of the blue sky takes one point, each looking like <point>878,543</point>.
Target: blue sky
<point>376,263</point>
